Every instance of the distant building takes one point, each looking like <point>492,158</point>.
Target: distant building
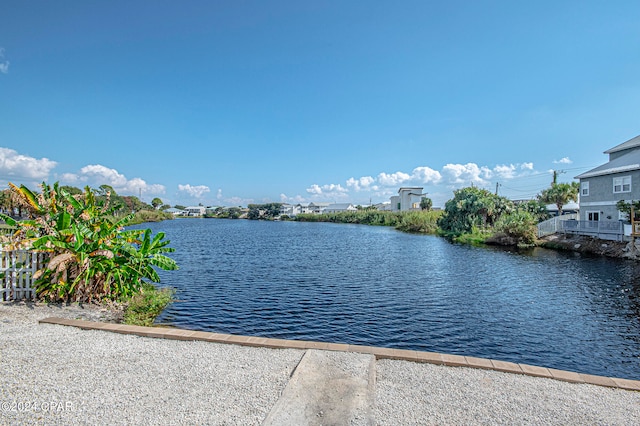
<point>340,207</point>
<point>317,208</point>
<point>386,206</point>
<point>195,211</point>
<point>176,212</point>
<point>408,199</point>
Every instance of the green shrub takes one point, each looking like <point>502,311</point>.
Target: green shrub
<point>477,236</point>
<point>471,208</point>
<point>423,222</point>
<point>91,256</point>
<point>145,216</point>
<point>519,226</point>
<point>147,304</point>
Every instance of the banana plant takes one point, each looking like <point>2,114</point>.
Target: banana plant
<point>91,255</point>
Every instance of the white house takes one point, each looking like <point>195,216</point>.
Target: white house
<point>176,212</point>
<point>408,198</point>
<point>340,207</point>
<point>317,208</point>
<point>290,210</point>
<point>195,211</point>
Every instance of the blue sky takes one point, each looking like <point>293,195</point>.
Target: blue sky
<point>237,102</point>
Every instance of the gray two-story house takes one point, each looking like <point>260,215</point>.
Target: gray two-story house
<point>619,179</point>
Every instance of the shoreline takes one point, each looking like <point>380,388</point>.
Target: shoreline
<point>587,245</point>
<point>93,374</point>
<point>109,318</point>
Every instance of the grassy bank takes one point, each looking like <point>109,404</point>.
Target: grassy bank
<point>144,216</point>
<point>144,307</point>
<point>424,222</point>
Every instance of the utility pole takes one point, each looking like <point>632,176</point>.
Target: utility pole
<point>497,185</point>
<point>555,175</point>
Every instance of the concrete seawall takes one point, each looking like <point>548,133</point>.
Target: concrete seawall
<point>60,370</point>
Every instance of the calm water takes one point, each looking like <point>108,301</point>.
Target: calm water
<point>376,286</point>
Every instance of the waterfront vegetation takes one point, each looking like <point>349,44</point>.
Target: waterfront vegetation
<point>91,256</point>
<point>146,216</point>
<point>473,216</point>
<point>145,306</point>
<point>424,221</point>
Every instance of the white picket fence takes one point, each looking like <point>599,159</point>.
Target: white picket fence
<point>16,273</point>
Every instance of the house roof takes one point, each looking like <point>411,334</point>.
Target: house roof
<point>411,188</point>
<point>173,210</point>
<point>339,206</point>
<point>566,207</point>
<point>624,163</point>
<point>631,143</point>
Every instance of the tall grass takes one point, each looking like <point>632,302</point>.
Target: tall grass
<point>416,221</point>
<point>422,222</point>
<point>144,216</point>
<point>146,305</point>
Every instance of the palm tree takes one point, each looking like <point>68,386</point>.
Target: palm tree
<point>560,194</point>
<point>426,203</point>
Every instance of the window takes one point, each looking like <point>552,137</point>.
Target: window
<point>622,184</point>
<point>584,188</point>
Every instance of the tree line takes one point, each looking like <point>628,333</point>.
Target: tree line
<point>472,215</point>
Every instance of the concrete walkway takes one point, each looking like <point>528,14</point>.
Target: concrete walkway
<point>95,372</point>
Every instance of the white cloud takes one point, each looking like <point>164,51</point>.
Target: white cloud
<point>97,174</point>
<point>4,65</point>
<point>219,196</point>
<point>18,166</point>
<point>70,178</point>
<point>393,179</point>
<point>451,175</point>
<point>329,189</point>
<point>512,171</point>
<point>109,176</point>
<point>564,160</point>
<point>140,186</point>
<point>195,191</point>
<point>360,184</point>
<point>238,201</point>
<point>314,189</point>
<point>505,172</point>
<point>426,175</point>
<point>292,200</point>
<point>328,192</point>
<point>458,174</point>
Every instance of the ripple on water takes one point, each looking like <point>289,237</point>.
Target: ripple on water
<point>376,286</point>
